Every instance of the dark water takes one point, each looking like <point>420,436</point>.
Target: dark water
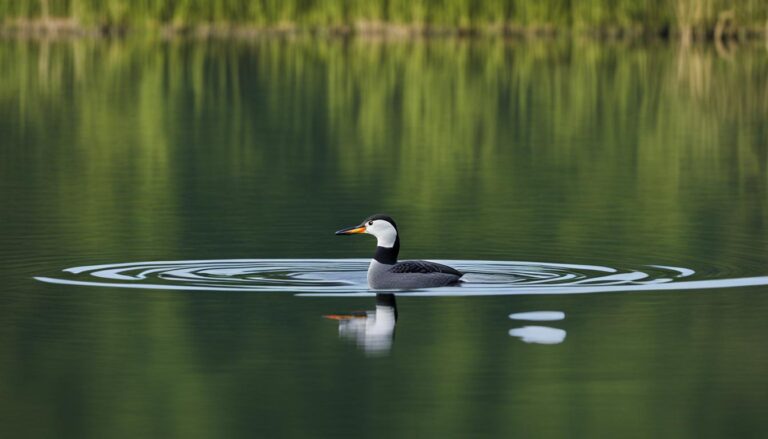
<point>639,171</point>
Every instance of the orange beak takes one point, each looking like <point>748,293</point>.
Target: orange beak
<point>351,230</point>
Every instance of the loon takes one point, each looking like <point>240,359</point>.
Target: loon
<point>386,273</point>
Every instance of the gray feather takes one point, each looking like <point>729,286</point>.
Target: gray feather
<point>423,267</point>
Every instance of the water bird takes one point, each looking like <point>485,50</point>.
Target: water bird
<point>385,272</point>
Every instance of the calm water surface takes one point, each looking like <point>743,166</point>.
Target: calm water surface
<point>205,166</point>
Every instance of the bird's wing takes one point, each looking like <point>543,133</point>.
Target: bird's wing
<point>423,267</point>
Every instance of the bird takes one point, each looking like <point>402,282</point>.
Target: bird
<point>385,272</point>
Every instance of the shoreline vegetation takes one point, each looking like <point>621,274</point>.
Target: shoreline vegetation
<point>684,20</point>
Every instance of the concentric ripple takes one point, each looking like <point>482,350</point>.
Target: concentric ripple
<point>347,277</point>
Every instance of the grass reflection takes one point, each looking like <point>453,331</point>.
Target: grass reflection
<point>560,151</point>
<point>424,126</point>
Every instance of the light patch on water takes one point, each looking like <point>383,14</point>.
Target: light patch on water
<point>538,316</point>
<point>539,334</point>
<point>347,277</point>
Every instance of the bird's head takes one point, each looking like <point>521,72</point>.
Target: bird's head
<point>382,227</point>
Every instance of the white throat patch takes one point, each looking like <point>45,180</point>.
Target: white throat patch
<point>384,232</point>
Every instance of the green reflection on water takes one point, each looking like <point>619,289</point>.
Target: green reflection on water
<point>132,150</point>
<point>523,134</point>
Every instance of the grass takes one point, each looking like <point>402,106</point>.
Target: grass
<point>689,19</point>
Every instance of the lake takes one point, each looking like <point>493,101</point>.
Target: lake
<point>612,198</point>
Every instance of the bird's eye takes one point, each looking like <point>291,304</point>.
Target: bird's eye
<point>370,223</point>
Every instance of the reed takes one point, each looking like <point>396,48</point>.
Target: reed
<point>686,18</point>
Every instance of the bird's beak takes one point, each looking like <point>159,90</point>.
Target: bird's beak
<point>351,230</point>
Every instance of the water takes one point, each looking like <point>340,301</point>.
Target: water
<point>168,256</point>
<point>346,278</point>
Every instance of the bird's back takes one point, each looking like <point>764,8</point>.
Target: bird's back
<point>424,267</point>
<point>411,274</point>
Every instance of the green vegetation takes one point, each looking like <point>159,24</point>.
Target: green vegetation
<point>689,18</point>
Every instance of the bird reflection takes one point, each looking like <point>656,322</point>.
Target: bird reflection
<point>372,331</point>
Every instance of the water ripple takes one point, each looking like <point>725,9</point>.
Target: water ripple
<point>337,277</point>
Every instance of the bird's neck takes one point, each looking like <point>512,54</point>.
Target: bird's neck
<point>388,255</point>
